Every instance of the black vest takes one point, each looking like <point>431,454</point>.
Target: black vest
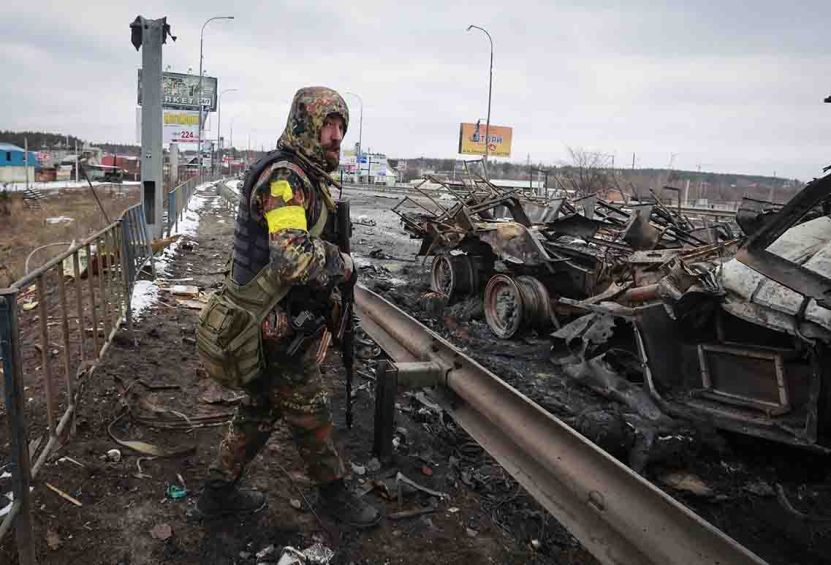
<point>251,236</point>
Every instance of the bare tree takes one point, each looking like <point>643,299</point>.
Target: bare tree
<point>588,173</point>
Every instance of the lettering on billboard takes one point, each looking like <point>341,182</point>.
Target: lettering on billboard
<point>181,91</point>
<point>472,140</point>
<point>180,126</point>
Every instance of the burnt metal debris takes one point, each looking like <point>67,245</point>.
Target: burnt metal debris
<point>726,318</point>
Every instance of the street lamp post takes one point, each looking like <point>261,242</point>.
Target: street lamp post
<point>360,133</point>
<point>201,107</point>
<point>218,124</point>
<point>490,90</point>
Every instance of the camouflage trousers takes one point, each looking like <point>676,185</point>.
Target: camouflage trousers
<point>291,388</point>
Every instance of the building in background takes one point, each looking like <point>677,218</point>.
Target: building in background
<point>13,163</point>
<point>130,165</point>
<point>372,168</point>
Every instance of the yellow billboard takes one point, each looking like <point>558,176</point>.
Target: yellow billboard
<point>472,140</point>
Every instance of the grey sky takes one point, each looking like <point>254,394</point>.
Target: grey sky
<point>731,85</point>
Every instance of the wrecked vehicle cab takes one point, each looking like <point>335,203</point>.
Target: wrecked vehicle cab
<point>744,342</point>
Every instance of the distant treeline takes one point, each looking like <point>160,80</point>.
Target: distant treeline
<point>39,139</point>
<point>46,140</point>
<point>716,187</point>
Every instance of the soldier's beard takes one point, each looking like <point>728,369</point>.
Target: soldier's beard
<point>332,155</point>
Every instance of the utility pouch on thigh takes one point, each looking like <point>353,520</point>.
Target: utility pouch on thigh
<point>229,336</point>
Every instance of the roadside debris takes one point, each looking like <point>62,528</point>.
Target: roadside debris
<point>161,532</point>
<point>63,495</point>
<point>401,478</point>
<point>317,554</point>
<point>683,481</point>
<point>175,492</point>
<point>53,540</point>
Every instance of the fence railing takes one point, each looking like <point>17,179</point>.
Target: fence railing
<point>55,324</point>
<point>179,196</point>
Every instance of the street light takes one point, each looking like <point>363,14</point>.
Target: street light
<point>218,128</point>
<point>360,133</point>
<point>490,89</point>
<point>201,42</point>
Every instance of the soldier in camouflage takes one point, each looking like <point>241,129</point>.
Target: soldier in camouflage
<point>285,224</point>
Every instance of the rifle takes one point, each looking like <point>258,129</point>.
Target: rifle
<point>346,333</point>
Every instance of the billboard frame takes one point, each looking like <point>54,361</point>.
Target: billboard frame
<point>179,91</point>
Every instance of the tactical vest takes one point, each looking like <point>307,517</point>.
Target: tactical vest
<point>229,336</point>
<point>251,252</point>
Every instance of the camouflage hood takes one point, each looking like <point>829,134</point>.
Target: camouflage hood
<point>308,111</point>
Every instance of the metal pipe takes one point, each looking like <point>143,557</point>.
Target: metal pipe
<point>616,514</point>
<point>43,314</point>
<point>65,331</point>
<point>11,363</point>
<point>76,271</point>
<point>105,309</point>
<point>92,305</point>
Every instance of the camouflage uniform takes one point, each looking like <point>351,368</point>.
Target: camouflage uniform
<point>287,198</point>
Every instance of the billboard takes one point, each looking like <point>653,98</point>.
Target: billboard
<point>472,140</point>
<point>181,91</point>
<point>180,126</point>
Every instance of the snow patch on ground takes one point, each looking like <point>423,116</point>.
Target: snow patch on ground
<point>146,293</point>
<point>59,220</point>
<point>234,185</point>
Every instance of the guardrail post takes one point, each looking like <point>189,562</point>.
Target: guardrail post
<point>13,393</point>
<point>386,386</point>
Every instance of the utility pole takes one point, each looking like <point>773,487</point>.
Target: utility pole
<point>360,133</point>
<point>201,106</point>
<point>149,35</point>
<point>219,139</point>
<point>77,161</point>
<point>490,91</point>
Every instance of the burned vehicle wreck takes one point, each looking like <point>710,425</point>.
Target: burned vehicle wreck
<point>727,323</point>
<point>523,251</point>
<point>741,342</point>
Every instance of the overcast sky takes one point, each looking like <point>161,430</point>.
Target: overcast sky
<point>730,85</point>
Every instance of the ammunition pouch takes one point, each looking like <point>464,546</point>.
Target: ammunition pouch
<point>229,336</point>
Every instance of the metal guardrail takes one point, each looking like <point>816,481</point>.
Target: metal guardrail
<point>230,196</point>
<point>616,514</point>
<point>84,293</point>
<point>179,196</point>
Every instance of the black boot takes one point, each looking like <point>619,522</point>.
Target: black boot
<point>224,499</point>
<point>344,506</point>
